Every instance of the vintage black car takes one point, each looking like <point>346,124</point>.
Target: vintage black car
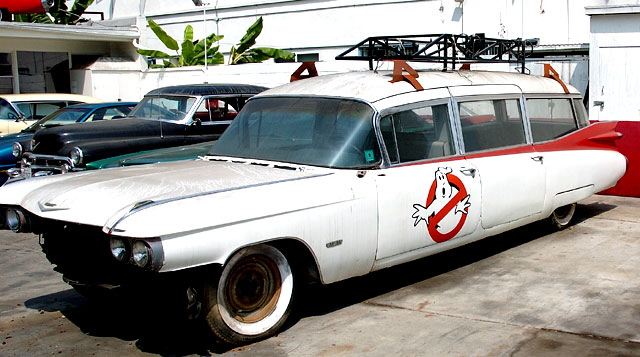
<point>165,117</point>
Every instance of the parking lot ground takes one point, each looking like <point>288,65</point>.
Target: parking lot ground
<point>530,291</point>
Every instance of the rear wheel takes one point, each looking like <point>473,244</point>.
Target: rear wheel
<point>561,217</point>
<point>253,295</point>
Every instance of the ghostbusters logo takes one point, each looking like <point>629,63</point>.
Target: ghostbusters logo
<point>446,207</point>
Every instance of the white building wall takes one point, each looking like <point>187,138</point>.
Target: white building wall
<point>327,27</point>
<point>614,76</point>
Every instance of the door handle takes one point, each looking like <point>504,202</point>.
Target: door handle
<point>539,159</point>
<point>468,172</point>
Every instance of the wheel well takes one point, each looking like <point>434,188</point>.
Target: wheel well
<point>301,259</point>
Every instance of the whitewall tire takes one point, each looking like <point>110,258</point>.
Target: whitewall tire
<point>561,216</point>
<point>253,296</point>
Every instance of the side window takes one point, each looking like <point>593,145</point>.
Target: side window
<point>115,113</point>
<point>44,109</point>
<point>490,124</point>
<point>26,109</point>
<point>550,118</point>
<point>212,110</point>
<point>417,134</point>
<point>97,115</point>
<point>581,113</point>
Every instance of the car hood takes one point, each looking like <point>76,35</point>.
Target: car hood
<point>48,140</point>
<point>178,153</point>
<point>102,198</point>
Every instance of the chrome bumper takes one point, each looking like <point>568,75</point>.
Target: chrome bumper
<point>35,165</point>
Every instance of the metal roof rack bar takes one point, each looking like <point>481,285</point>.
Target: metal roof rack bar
<point>447,49</point>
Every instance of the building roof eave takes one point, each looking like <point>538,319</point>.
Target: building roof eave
<point>612,9</point>
<point>25,30</point>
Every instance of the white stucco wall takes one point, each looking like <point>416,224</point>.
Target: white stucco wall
<point>327,27</point>
<point>615,44</point>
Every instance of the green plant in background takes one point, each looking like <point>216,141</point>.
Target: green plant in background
<point>243,53</point>
<point>59,13</point>
<point>193,54</point>
<point>189,53</point>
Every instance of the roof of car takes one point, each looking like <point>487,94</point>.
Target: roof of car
<point>208,89</point>
<point>99,105</point>
<point>373,86</point>
<point>37,97</point>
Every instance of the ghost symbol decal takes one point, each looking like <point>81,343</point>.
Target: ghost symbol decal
<point>446,208</point>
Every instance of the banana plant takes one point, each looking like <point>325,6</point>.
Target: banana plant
<point>189,53</point>
<point>59,13</point>
<point>244,53</point>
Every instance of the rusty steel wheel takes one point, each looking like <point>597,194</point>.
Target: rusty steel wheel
<point>561,217</point>
<point>253,296</point>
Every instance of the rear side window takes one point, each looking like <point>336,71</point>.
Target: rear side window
<point>212,110</point>
<point>417,134</point>
<point>39,110</point>
<point>550,118</point>
<point>581,113</point>
<point>490,124</point>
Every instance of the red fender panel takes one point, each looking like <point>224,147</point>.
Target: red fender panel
<point>629,146</point>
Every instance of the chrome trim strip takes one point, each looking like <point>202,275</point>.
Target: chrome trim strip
<point>199,194</point>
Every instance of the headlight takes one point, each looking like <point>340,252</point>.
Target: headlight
<point>16,150</point>
<point>141,253</point>
<point>119,249</point>
<point>16,220</point>
<point>76,155</point>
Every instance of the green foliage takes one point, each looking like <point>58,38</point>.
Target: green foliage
<point>58,13</point>
<point>243,53</point>
<point>192,53</point>
<point>189,52</point>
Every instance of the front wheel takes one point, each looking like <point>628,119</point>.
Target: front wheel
<point>561,217</point>
<point>253,296</point>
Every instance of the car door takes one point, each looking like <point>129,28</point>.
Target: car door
<point>512,173</point>
<point>429,195</point>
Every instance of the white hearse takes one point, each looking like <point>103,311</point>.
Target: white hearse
<point>324,179</point>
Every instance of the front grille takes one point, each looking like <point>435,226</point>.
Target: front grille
<point>82,254</point>
<point>42,165</point>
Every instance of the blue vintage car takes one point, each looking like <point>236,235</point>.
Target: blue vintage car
<point>72,114</point>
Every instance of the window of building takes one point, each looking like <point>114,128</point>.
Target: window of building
<point>550,118</point>
<point>418,134</point>
<point>490,124</point>
<point>43,72</point>
<point>6,74</point>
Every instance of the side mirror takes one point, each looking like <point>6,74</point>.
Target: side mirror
<point>196,122</point>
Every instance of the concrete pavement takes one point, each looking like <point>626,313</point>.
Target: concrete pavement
<point>531,291</point>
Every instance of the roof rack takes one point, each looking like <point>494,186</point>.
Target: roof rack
<point>447,49</point>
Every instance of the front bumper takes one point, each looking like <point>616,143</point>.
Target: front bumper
<point>34,165</point>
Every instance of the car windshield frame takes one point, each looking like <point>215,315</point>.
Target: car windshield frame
<point>172,108</point>
<point>311,131</point>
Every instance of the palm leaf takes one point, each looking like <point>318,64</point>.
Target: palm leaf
<point>249,38</point>
<point>153,53</point>
<point>163,36</point>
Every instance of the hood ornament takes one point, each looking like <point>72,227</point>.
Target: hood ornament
<point>49,206</point>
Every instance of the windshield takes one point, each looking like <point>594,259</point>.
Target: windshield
<point>172,108</point>
<point>60,117</point>
<point>7,111</point>
<point>308,131</point>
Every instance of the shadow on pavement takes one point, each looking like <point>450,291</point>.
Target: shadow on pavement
<point>157,328</point>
